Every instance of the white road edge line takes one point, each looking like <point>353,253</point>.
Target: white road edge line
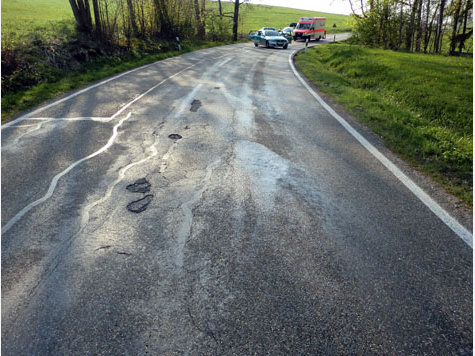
<point>440,212</point>
<point>26,116</point>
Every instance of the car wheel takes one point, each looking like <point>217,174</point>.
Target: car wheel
<point>286,45</point>
<point>267,43</point>
<point>256,44</point>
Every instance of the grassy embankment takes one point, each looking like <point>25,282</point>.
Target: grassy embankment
<point>421,105</point>
<point>33,27</point>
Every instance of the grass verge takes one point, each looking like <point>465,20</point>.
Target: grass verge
<point>421,105</point>
<point>13,103</point>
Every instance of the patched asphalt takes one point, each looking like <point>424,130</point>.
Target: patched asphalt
<point>232,215</point>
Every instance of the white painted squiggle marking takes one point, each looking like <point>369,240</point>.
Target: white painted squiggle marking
<point>81,118</point>
<point>425,198</point>
<point>24,117</point>
<point>185,227</point>
<point>56,178</point>
<point>9,127</point>
<point>224,62</point>
<point>49,119</point>
<point>16,140</point>
<point>85,215</point>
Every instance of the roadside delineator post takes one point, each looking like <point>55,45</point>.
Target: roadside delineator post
<point>306,45</point>
<point>178,41</point>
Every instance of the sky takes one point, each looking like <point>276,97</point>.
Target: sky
<point>331,6</point>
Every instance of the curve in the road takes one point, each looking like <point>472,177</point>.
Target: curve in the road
<point>440,212</point>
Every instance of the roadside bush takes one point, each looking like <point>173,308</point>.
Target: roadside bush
<point>218,28</point>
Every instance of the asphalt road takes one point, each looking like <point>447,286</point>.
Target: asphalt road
<point>260,226</point>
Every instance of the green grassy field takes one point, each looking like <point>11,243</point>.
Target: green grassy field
<point>24,15</point>
<point>257,16</point>
<point>18,15</point>
<point>421,105</point>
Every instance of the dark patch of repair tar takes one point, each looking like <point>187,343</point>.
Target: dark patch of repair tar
<point>124,253</point>
<point>140,205</point>
<point>140,186</point>
<point>174,136</point>
<point>195,105</point>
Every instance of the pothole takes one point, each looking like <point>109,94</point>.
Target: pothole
<point>174,136</point>
<point>140,186</point>
<point>195,105</point>
<point>140,205</point>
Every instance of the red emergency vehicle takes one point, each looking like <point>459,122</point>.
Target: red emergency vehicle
<point>312,28</point>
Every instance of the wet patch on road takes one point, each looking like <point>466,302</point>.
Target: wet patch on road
<point>140,186</point>
<point>140,205</point>
<point>195,105</point>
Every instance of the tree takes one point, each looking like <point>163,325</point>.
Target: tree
<point>200,18</point>
<point>440,26</point>
<point>82,14</point>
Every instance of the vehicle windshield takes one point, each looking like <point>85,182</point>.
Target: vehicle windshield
<point>304,26</point>
<point>271,33</point>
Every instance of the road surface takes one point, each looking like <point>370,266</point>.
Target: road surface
<point>208,204</point>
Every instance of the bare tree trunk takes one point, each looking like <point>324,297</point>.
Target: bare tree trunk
<point>163,19</point>
<point>401,22</point>
<point>442,36</point>
<point>419,27</point>
<point>426,25</point>
<point>438,35</point>
<point>429,30</point>
<point>97,20</point>
<point>453,38</point>
<point>199,15</point>
<point>467,9</point>
<point>235,19</point>
<point>131,17</point>
<point>82,14</point>
<point>221,8</point>
<point>410,30</point>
